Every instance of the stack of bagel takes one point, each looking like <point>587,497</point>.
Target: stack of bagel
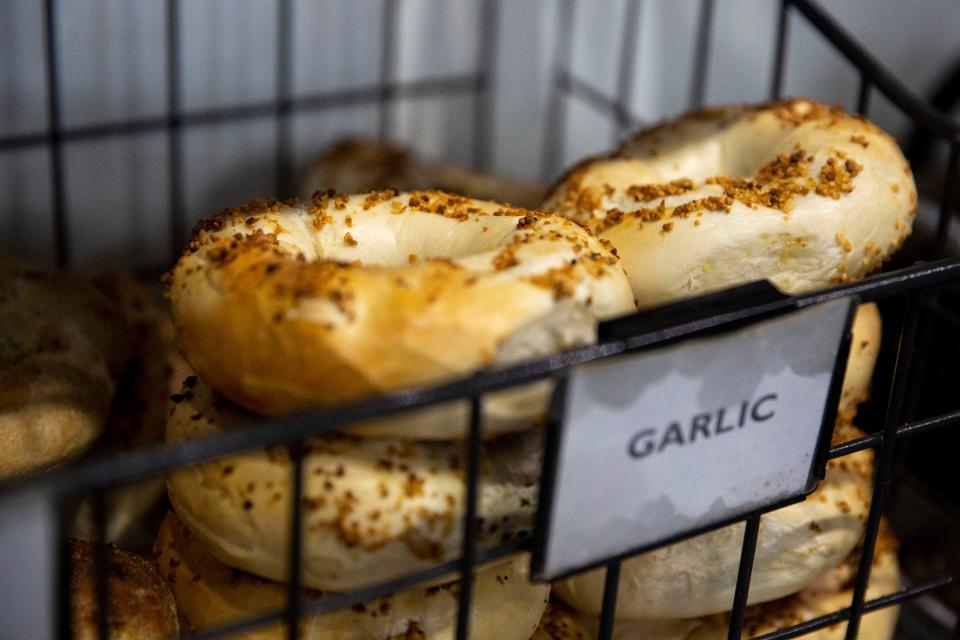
<point>284,307</point>
<point>287,307</point>
<point>805,196</point>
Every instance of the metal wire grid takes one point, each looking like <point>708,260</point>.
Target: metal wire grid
<point>910,285</point>
<point>178,122</point>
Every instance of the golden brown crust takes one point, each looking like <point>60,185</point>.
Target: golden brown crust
<point>141,605</point>
<point>278,313</point>
<point>505,605</point>
<point>62,348</point>
<point>795,191</point>
<point>373,509</point>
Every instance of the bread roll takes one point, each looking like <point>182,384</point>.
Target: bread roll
<point>141,605</point>
<point>505,605</point>
<point>63,345</point>
<point>374,508</point>
<point>288,307</point>
<point>796,192</point>
<point>831,592</point>
<point>697,576</point>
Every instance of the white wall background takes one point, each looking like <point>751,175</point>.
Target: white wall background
<point>113,68</point>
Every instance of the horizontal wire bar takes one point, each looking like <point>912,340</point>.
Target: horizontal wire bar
<point>852,446</point>
<point>267,109</point>
<point>140,463</point>
<point>871,605</point>
<point>333,601</point>
<point>909,429</point>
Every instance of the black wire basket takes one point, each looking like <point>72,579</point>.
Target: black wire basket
<point>914,388</point>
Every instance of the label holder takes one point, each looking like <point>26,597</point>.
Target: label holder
<point>556,424</point>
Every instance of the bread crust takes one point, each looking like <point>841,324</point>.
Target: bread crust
<point>287,307</point>
<point>505,605</point>
<point>829,593</point>
<point>63,346</point>
<point>796,192</point>
<point>141,605</point>
<point>373,509</point>
<point>866,333</point>
<point>697,576</point>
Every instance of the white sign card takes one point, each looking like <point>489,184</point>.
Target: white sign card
<point>679,438</point>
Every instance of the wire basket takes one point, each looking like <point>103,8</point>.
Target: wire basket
<point>913,383</point>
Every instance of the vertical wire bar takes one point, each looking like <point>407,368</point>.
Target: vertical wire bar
<point>387,52</point>
<point>699,83</point>
<point>948,196</point>
<point>483,99</point>
<point>174,131</point>
<point>552,437</point>
<point>101,566</point>
<point>296,452</point>
<point>780,51</point>
<point>747,553</point>
<point>61,247</point>
<point>64,593</point>
<point>468,558</point>
<point>284,102</point>
<point>883,468</point>
<point>863,98</point>
<point>559,89</point>
<point>611,585</point>
<point>627,65</point>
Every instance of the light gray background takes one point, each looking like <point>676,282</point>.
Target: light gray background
<point>112,59</point>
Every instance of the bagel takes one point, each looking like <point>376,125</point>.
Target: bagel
<point>354,165</point>
<point>63,345</point>
<point>374,509</point>
<point>832,592</point>
<point>697,576</point>
<point>796,192</point>
<point>287,307</point>
<point>138,417</point>
<point>865,334</point>
<point>141,605</point>
<point>505,605</point>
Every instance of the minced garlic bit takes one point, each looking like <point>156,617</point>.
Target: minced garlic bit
<point>645,192</point>
<point>843,242</point>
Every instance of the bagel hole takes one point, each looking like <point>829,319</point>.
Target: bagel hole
<point>390,240</point>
